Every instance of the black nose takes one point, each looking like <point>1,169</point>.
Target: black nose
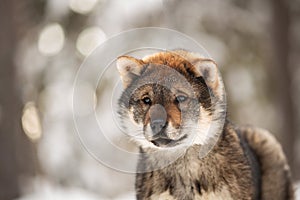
<point>157,125</point>
<point>158,118</point>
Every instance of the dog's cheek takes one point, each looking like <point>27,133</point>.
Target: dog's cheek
<point>174,115</point>
<point>139,114</point>
<point>191,113</point>
<point>147,132</point>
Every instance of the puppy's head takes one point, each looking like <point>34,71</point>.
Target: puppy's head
<point>169,98</point>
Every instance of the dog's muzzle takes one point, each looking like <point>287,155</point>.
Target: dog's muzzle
<point>158,119</point>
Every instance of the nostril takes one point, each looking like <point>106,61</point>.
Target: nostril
<point>157,125</point>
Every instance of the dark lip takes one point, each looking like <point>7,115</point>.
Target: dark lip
<point>165,142</point>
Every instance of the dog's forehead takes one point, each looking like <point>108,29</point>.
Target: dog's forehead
<point>165,76</point>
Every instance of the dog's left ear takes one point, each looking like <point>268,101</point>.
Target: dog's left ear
<point>208,69</point>
<point>129,68</point>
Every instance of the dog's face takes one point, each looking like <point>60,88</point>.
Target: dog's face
<point>167,98</point>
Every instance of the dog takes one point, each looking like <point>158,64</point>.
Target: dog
<point>174,107</point>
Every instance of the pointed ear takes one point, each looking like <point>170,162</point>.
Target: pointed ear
<point>208,69</point>
<point>129,68</point>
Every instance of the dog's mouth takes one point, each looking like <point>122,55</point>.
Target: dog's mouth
<point>166,142</point>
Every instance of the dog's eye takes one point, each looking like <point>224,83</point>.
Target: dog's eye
<point>181,98</point>
<point>147,100</point>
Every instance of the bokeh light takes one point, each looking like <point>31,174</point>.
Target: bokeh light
<point>89,39</point>
<point>82,6</point>
<point>31,122</point>
<point>51,39</point>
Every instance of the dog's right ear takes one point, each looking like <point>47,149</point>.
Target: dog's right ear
<point>129,69</point>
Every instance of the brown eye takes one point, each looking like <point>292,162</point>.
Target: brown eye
<point>181,99</point>
<point>147,100</point>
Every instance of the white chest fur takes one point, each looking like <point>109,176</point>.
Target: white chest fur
<point>220,195</point>
<point>163,196</point>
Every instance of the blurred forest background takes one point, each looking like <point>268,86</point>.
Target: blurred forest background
<point>43,43</point>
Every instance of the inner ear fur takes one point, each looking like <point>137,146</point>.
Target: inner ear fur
<point>129,68</point>
<point>206,68</point>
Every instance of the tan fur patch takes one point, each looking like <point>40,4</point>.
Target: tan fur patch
<point>147,119</point>
<point>170,59</point>
<point>174,115</point>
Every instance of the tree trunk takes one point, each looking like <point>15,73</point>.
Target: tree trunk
<point>16,151</point>
<point>282,78</point>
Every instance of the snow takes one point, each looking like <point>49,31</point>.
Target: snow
<point>49,191</point>
<point>44,189</point>
<point>297,191</point>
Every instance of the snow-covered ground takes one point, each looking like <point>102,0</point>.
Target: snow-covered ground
<point>47,191</point>
<point>43,189</point>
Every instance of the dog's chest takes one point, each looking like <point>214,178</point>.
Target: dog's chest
<point>219,195</point>
<point>187,179</point>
